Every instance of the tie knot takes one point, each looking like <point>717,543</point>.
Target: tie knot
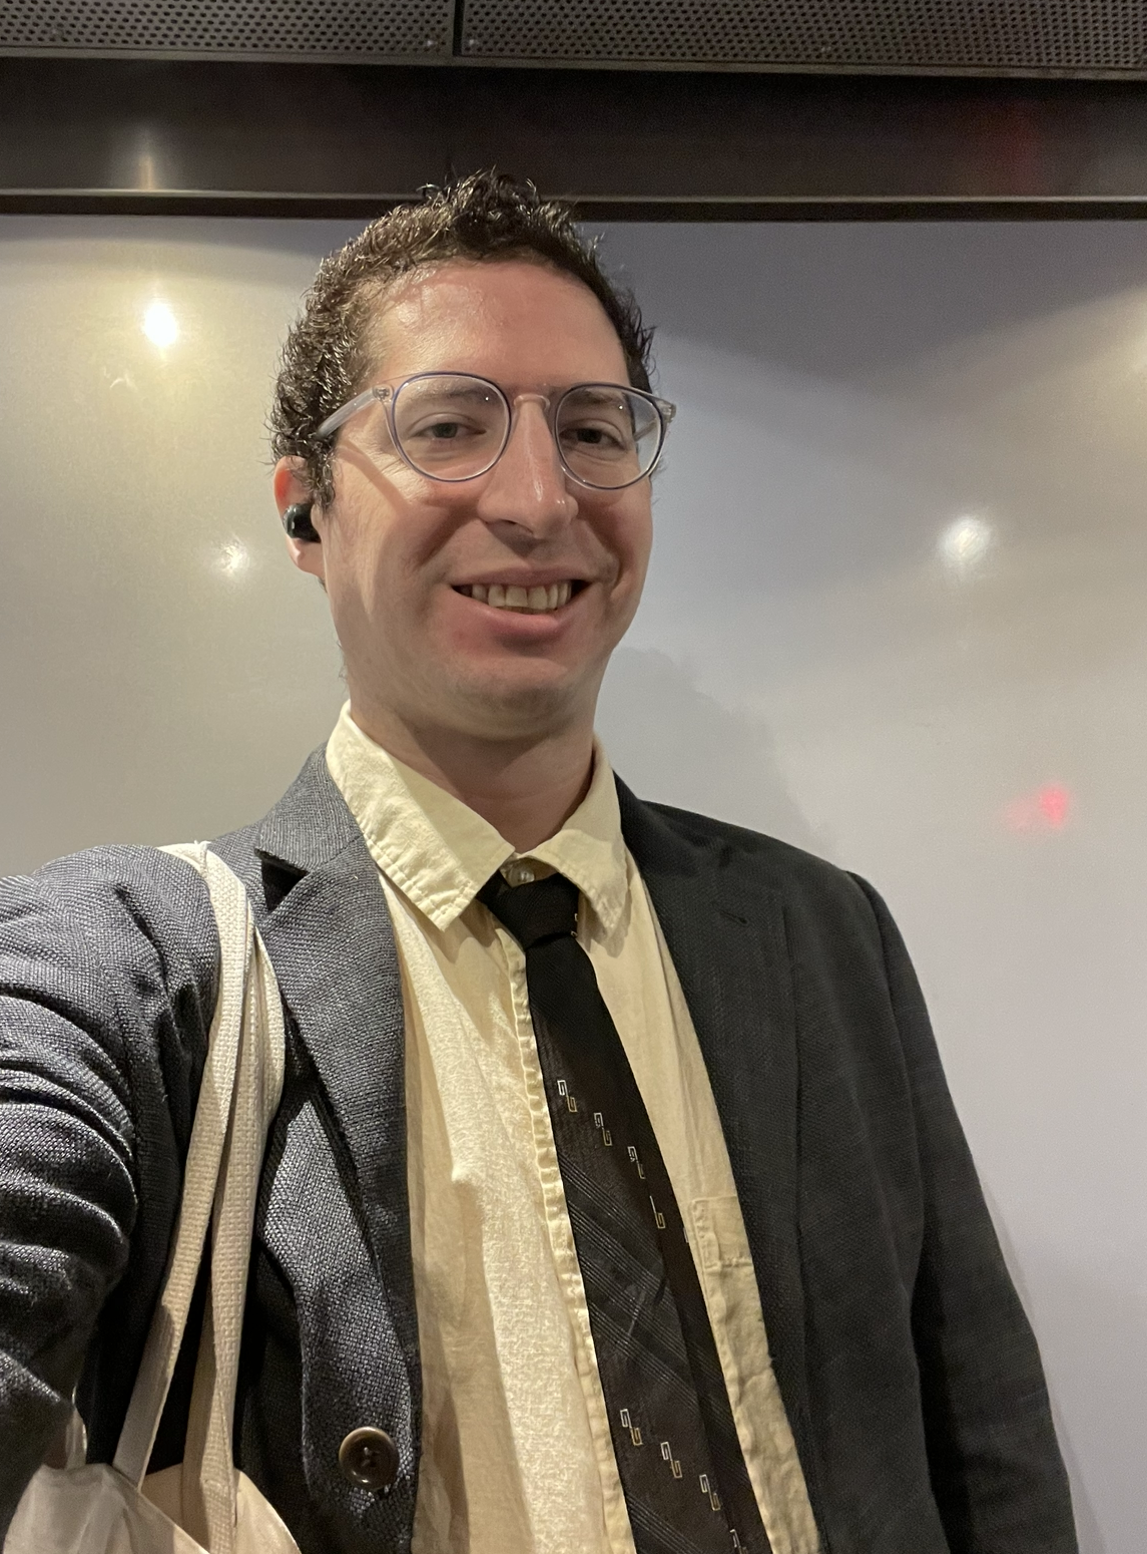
<point>533,913</point>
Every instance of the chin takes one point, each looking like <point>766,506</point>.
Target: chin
<point>512,709</point>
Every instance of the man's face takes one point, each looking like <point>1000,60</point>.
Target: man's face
<point>400,551</point>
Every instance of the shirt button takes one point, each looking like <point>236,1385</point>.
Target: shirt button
<point>520,874</point>
<point>368,1459</point>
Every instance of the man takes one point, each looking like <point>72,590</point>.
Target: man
<point>615,1201</point>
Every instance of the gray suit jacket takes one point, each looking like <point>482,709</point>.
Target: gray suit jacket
<point>908,1370</point>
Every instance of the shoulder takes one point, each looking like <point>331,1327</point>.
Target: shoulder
<point>740,854</point>
<point>830,916</point>
<point>138,880</point>
<point>112,917</point>
<point>780,862</point>
<point>830,926</point>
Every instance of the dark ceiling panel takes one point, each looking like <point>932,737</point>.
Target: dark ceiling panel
<point>310,140</point>
<point>913,35</point>
<point>240,29</point>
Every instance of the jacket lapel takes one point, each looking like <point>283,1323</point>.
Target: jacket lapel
<point>332,945</point>
<point>726,934</point>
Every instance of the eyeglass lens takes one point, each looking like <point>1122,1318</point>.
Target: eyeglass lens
<point>453,427</point>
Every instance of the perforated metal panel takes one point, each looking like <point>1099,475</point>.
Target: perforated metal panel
<point>263,29</point>
<point>1002,35</point>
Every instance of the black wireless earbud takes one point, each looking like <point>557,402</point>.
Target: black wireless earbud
<point>297,522</point>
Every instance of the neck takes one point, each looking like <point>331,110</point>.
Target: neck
<point>526,789</point>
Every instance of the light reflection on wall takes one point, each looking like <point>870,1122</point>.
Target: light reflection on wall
<point>964,544</point>
<point>1046,809</point>
<point>160,325</point>
<point>233,560</point>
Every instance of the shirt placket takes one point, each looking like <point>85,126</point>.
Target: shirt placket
<point>564,1251</point>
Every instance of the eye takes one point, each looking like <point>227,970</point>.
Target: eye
<point>442,428</point>
<point>596,435</point>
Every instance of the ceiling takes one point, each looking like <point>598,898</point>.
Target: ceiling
<point>993,37</point>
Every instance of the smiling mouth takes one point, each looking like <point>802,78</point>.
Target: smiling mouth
<point>538,600</point>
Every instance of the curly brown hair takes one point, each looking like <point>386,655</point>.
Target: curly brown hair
<point>485,216</point>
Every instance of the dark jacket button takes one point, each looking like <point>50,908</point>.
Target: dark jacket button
<point>369,1458</point>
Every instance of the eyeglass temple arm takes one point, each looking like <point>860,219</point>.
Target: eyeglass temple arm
<point>343,414</point>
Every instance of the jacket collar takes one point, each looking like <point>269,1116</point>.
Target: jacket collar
<point>310,825</point>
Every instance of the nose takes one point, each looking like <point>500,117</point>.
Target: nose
<point>528,486</point>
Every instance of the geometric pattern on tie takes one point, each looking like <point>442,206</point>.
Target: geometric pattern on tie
<point>682,1470</point>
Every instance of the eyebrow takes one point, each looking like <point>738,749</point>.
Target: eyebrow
<point>460,391</point>
<point>603,396</point>
<point>510,389</point>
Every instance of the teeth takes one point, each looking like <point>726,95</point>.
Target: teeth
<point>512,596</point>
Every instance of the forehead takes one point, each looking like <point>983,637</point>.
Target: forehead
<point>520,323</point>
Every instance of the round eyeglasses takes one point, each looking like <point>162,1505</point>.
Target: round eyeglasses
<point>455,426</point>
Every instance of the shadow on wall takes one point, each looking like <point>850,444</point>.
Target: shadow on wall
<point>847,300</point>
<point>674,744</point>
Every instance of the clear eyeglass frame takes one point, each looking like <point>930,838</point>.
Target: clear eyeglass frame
<point>387,394</point>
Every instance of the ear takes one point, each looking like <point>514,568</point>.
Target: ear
<point>290,486</point>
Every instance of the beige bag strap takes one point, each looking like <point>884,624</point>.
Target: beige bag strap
<point>239,1095</point>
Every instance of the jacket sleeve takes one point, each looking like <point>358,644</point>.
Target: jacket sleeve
<point>997,1474</point>
<point>107,975</point>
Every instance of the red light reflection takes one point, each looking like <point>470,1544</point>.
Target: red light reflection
<point>1047,809</point>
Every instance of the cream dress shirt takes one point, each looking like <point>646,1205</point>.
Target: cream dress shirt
<point>517,1456</point>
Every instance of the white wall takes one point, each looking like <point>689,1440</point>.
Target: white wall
<point>896,615</point>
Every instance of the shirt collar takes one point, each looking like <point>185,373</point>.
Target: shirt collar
<point>440,853</point>
<point>589,849</point>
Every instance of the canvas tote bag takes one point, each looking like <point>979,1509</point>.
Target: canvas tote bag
<point>204,1503</point>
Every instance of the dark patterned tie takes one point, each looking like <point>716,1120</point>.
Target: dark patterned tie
<point>682,1470</point>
